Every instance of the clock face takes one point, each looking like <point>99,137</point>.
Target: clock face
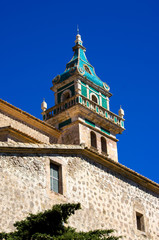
<point>106,86</point>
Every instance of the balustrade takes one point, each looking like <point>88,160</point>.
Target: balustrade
<point>88,104</point>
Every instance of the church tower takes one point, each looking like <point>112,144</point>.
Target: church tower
<point>81,110</point>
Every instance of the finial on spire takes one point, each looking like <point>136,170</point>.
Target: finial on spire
<point>77,29</point>
<point>78,37</point>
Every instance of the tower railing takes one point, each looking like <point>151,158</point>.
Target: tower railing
<point>79,99</point>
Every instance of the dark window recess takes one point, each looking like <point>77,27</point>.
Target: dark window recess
<point>94,99</point>
<point>62,124</point>
<point>103,145</point>
<point>54,178</point>
<point>140,221</point>
<point>66,96</point>
<point>93,140</point>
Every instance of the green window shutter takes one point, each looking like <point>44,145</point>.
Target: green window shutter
<point>104,103</point>
<point>54,177</point>
<point>115,119</point>
<point>80,99</point>
<point>84,91</point>
<point>122,123</point>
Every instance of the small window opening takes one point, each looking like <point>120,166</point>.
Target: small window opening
<point>93,140</point>
<point>66,96</point>
<point>140,221</point>
<point>94,99</point>
<point>103,145</point>
<point>54,177</point>
<point>87,69</point>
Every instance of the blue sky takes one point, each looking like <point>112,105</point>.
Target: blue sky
<point>122,42</point>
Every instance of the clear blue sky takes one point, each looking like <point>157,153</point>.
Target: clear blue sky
<point>122,41</point>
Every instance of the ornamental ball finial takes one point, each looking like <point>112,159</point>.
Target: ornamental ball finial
<point>121,112</point>
<point>44,105</point>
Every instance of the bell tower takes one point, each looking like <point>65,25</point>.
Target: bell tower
<point>81,110</point>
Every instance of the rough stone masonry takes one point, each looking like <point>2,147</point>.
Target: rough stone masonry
<point>108,199</point>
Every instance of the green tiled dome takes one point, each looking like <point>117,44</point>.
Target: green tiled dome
<point>80,63</point>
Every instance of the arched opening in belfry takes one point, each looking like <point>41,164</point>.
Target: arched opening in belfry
<point>103,145</point>
<point>94,99</point>
<point>66,95</point>
<point>93,140</point>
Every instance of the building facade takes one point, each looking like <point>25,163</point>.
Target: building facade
<point>71,156</point>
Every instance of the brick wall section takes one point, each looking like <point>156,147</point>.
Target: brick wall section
<point>108,199</point>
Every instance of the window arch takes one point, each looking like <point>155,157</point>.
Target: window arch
<point>94,99</point>
<point>66,95</point>
<point>103,145</point>
<point>93,139</point>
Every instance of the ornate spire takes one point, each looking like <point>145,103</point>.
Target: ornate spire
<point>80,64</point>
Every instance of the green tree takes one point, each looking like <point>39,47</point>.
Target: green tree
<point>50,225</point>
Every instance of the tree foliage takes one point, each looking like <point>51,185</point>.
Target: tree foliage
<point>50,225</point>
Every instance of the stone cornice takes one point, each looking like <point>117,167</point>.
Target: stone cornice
<point>96,129</point>
<point>17,133</point>
<point>28,118</point>
<point>80,150</point>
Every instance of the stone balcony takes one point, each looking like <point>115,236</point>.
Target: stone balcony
<point>79,99</point>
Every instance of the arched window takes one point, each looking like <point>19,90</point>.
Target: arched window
<point>93,140</point>
<point>103,145</point>
<point>94,99</point>
<point>65,95</point>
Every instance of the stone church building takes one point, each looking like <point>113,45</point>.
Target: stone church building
<point>71,156</point>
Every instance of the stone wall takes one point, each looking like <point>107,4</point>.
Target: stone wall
<point>111,144</point>
<point>70,135</point>
<point>8,120</point>
<point>108,199</point>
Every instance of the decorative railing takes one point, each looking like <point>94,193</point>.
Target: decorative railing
<point>60,107</point>
<point>79,99</point>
